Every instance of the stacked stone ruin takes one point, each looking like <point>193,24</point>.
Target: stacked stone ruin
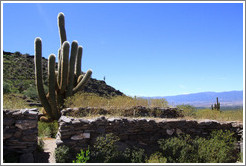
<point>20,133</point>
<point>79,133</point>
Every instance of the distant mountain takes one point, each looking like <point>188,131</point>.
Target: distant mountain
<point>206,99</point>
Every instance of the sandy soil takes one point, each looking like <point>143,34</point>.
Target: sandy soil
<point>49,147</point>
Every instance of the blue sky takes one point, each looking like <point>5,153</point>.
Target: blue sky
<point>142,49</point>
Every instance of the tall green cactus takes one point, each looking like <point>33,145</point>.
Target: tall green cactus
<point>64,82</point>
<point>216,106</point>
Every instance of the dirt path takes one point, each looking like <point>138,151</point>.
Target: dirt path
<point>49,147</point>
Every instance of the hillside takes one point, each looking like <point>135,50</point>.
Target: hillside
<point>18,71</point>
<point>205,99</point>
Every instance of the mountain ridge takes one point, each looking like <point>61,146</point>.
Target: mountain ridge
<point>206,99</point>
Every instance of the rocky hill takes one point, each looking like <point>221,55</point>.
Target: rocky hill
<point>18,71</point>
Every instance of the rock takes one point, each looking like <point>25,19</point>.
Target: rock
<point>170,131</point>
<point>64,119</point>
<point>26,124</point>
<point>29,138</point>
<point>76,121</point>
<point>59,142</point>
<point>80,136</point>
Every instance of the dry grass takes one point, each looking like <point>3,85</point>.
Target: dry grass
<point>117,102</point>
<point>14,101</point>
<point>228,115</point>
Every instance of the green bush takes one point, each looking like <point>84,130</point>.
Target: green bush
<point>9,88</point>
<point>6,88</point>
<point>156,158</point>
<point>62,154</point>
<point>132,155</point>
<point>218,148</point>
<point>47,129</point>
<point>31,92</point>
<point>179,149</point>
<point>188,110</point>
<point>137,155</point>
<point>83,156</point>
<point>17,53</point>
<point>105,149</point>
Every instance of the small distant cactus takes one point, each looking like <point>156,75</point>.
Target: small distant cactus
<point>216,106</point>
<point>64,82</point>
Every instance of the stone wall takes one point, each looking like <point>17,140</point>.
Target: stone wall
<point>20,133</point>
<point>136,111</point>
<point>78,133</point>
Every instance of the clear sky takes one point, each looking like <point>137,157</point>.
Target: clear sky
<point>145,49</point>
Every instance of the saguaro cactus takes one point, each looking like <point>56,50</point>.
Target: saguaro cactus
<point>64,82</point>
<point>216,105</point>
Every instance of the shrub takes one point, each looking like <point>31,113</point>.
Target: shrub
<point>17,53</point>
<point>218,148</point>
<point>31,92</point>
<point>188,110</point>
<point>137,155</point>
<point>6,87</point>
<point>105,149</point>
<point>47,129</point>
<point>179,149</point>
<point>83,156</point>
<point>156,158</point>
<point>62,154</point>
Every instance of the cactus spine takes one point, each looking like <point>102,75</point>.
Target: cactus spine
<point>64,82</point>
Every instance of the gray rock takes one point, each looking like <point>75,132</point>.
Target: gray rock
<point>26,124</point>
<point>170,131</point>
<point>64,119</point>
<point>80,136</point>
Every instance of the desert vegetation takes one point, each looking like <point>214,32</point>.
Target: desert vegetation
<point>218,148</point>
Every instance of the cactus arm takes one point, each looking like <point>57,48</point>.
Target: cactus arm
<point>83,82</point>
<point>80,78</point>
<point>74,51</point>
<point>56,83</point>
<point>61,25</point>
<point>52,84</point>
<point>78,62</point>
<point>59,68</point>
<point>39,76</point>
<point>64,66</point>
